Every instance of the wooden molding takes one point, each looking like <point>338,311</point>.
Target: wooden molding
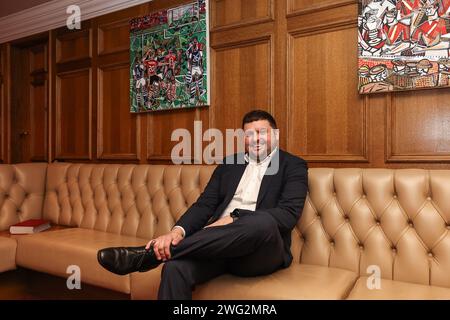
<point>53,14</point>
<point>270,16</point>
<point>292,12</point>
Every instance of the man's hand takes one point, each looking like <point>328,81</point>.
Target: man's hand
<point>221,222</point>
<point>161,245</point>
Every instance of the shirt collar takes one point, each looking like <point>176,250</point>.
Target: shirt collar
<point>265,160</point>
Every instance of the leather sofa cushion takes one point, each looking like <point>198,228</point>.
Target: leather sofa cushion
<point>397,290</point>
<point>7,254</point>
<point>53,251</point>
<point>299,281</point>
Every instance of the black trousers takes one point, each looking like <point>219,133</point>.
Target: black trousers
<point>250,246</point>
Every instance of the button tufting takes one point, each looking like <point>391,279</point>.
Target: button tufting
<point>332,242</point>
<point>394,196</point>
<point>347,219</point>
<point>430,254</point>
<point>378,222</point>
<point>428,198</point>
<point>363,196</point>
<point>361,246</point>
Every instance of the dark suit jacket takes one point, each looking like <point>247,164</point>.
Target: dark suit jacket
<point>281,195</point>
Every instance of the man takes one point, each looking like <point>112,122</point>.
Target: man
<point>241,223</point>
<point>395,31</point>
<point>194,76</point>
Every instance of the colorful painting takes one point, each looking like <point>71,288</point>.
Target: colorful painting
<point>403,45</point>
<point>169,57</point>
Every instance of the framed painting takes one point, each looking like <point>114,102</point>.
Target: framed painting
<point>403,45</point>
<point>169,59</point>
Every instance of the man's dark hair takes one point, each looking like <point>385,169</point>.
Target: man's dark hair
<point>256,115</point>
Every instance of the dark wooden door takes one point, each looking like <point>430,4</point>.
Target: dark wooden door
<point>29,102</point>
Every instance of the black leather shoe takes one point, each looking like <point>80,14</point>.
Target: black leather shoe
<point>124,260</point>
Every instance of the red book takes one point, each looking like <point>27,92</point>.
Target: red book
<point>29,226</point>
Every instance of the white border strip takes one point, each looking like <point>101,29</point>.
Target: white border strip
<point>51,15</point>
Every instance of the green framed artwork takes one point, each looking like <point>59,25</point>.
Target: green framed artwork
<point>169,59</point>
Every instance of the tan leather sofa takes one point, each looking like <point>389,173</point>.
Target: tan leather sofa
<point>363,234</point>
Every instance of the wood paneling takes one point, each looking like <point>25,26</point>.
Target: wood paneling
<point>418,126</point>
<point>226,14</point>
<point>114,37</point>
<point>118,129</point>
<point>73,45</point>
<point>327,116</point>
<point>38,102</point>
<point>294,58</point>
<point>73,115</point>
<point>296,7</point>
<point>242,80</point>
<point>161,125</point>
<point>29,112</point>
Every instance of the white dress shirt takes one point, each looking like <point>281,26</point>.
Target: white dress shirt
<point>246,193</point>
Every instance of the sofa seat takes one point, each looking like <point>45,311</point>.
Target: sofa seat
<point>8,248</point>
<point>397,290</point>
<point>54,251</point>
<point>299,281</point>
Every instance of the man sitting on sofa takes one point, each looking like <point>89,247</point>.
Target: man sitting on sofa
<point>241,223</point>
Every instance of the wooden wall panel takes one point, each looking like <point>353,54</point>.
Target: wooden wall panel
<point>161,125</point>
<point>118,129</point>
<point>73,45</point>
<point>38,103</point>
<point>114,37</point>
<point>227,14</point>
<point>418,126</point>
<point>74,115</point>
<point>38,121</point>
<point>327,118</point>
<point>242,81</point>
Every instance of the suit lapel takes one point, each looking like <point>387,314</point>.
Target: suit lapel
<point>265,183</point>
<point>235,177</point>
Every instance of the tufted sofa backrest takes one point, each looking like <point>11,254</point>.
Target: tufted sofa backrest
<point>135,200</point>
<point>22,188</point>
<point>396,220</point>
